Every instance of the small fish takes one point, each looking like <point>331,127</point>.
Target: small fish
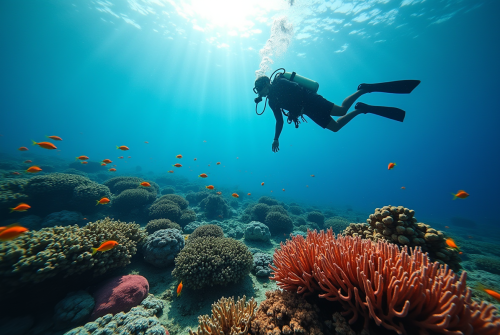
<point>106,246</point>
<point>460,194</point>
<point>170,171</point>
<point>84,162</point>
<point>271,191</point>
<point>391,166</point>
<point>15,173</point>
<point>495,295</point>
<point>218,163</point>
<point>11,233</point>
<point>237,158</point>
<point>403,188</point>
<point>204,141</point>
<point>82,158</point>
<point>235,195</point>
<point>9,226</point>
<point>146,142</point>
<point>45,145</point>
<point>177,165</point>
<point>103,201</point>
<point>28,161</point>
<point>20,208</point>
<point>451,243</point>
<point>195,159</point>
<point>210,187</point>
<point>33,169</point>
<point>123,147</point>
<point>103,164</point>
<point>179,289</point>
<point>55,138</point>
<point>307,185</point>
<point>249,193</point>
<point>283,190</point>
<point>121,157</point>
<point>186,236</point>
<point>447,227</point>
<point>312,175</point>
<point>262,183</point>
<point>208,164</point>
<point>178,156</point>
<point>203,175</point>
<point>221,216</point>
<point>145,184</point>
<point>85,219</point>
<point>219,193</point>
<point>23,149</point>
<point>112,170</point>
<point>107,161</point>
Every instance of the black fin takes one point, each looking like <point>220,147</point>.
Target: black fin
<point>399,86</point>
<point>392,113</point>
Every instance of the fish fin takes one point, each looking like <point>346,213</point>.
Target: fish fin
<point>454,196</point>
<point>11,210</point>
<point>97,202</point>
<point>94,250</point>
<point>34,143</point>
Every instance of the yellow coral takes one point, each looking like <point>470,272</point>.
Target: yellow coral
<point>228,318</point>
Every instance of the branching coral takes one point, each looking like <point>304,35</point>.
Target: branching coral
<point>377,280</point>
<point>228,318</point>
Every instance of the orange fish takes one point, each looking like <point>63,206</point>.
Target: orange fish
<point>218,163</point>
<point>219,193</point>
<point>15,173</point>
<point>28,161</point>
<point>33,169</point>
<point>452,243</point>
<point>20,208</point>
<point>177,165</point>
<point>121,157</point>
<point>195,159</point>
<point>447,227</point>
<point>11,233</point>
<point>55,138</point>
<point>106,246</point>
<point>84,162</point>
<point>123,147</point>
<point>9,226</point>
<point>391,166</point>
<point>45,145</point>
<point>403,188</point>
<point>107,161</point>
<point>178,156</point>
<point>112,169</point>
<point>460,194</point>
<point>203,175</point>
<point>179,289</point>
<point>82,158</point>
<point>492,293</point>
<point>146,142</point>
<point>103,164</point>
<point>283,190</point>
<point>312,175</point>
<point>23,149</point>
<point>170,171</point>
<point>249,194</point>
<point>235,195</point>
<point>103,201</point>
<point>210,187</point>
<point>262,183</point>
<point>145,184</point>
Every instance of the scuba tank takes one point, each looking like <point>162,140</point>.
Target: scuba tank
<point>307,83</point>
<point>302,81</point>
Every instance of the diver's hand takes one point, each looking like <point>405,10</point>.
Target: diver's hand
<point>276,146</point>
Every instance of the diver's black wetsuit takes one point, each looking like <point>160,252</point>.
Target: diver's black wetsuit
<point>290,96</point>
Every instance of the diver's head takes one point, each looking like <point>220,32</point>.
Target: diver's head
<point>262,85</point>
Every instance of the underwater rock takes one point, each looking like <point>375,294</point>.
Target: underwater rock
<point>261,263</point>
<point>119,294</point>
<point>257,231</point>
<point>189,228</point>
<point>62,218</point>
<point>73,309</point>
<point>161,247</point>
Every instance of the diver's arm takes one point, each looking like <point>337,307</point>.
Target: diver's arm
<point>277,130</point>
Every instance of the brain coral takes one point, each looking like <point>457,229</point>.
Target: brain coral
<point>161,247</point>
<point>399,291</point>
<point>64,251</point>
<point>158,224</point>
<point>212,261</point>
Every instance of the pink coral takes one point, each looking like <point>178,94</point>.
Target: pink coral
<point>377,280</point>
<point>119,294</point>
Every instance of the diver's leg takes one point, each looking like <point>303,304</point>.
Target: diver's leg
<point>342,121</point>
<point>346,104</point>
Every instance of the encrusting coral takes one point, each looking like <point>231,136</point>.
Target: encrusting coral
<point>398,225</point>
<point>286,312</point>
<point>402,292</point>
<point>228,318</point>
<point>38,255</point>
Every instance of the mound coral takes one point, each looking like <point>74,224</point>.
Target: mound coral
<point>215,205</point>
<point>278,223</point>
<point>119,184</point>
<point>401,292</point>
<point>212,261</point>
<point>336,223</point>
<point>316,217</point>
<point>194,198</point>
<point>161,247</point>
<point>268,201</point>
<point>205,231</point>
<point>165,209</point>
<point>286,313</point>
<point>259,212</point>
<point>64,251</point>
<point>175,198</point>
<point>132,198</point>
<point>158,224</point>
<point>227,317</point>
<point>187,216</point>
<point>12,193</point>
<point>295,210</point>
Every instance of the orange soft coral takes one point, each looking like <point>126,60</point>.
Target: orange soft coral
<point>377,280</point>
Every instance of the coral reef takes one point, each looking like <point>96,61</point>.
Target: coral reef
<point>215,207</point>
<point>189,228</point>
<point>187,216</point>
<point>73,309</point>
<point>212,261</point>
<point>161,247</point>
<point>167,190</point>
<point>12,193</point>
<point>278,222</point>
<point>131,199</point>
<point>316,217</point>
<point>206,231</point>
<point>63,251</point>
<point>268,201</point>
<point>398,225</point>
<point>119,294</point>
<point>336,223</point>
<point>165,209</point>
<point>398,290</point>
<point>227,317</point>
<point>286,313</point>
<point>62,218</point>
<point>257,231</point>
<point>158,224</point>
<point>261,263</point>
<point>141,320</point>
<point>295,210</point>
<point>119,184</point>
<point>259,212</point>
<point>195,198</point>
<point>179,200</point>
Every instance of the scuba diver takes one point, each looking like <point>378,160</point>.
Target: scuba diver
<point>297,95</point>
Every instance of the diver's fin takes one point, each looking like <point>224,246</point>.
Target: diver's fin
<point>398,86</point>
<point>388,112</point>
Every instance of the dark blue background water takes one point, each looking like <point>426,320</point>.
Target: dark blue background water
<point>70,70</point>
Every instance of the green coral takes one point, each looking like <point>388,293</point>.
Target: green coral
<point>158,224</point>
<point>212,261</point>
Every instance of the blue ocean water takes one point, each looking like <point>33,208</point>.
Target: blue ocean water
<point>101,74</point>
